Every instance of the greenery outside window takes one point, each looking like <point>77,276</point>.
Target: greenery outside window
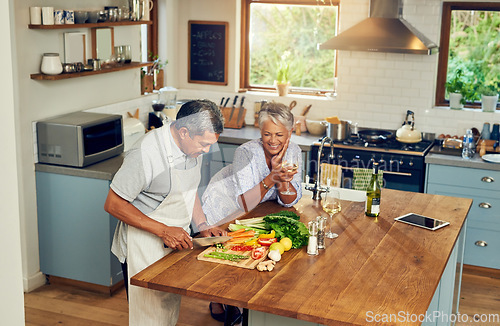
<point>291,29</point>
<point>470,45</point>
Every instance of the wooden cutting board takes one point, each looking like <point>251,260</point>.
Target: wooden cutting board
<point>248,263</point>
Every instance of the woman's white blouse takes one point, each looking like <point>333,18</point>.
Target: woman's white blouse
<point>249,168</point>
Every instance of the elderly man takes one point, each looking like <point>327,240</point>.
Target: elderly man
<point>154,193</point>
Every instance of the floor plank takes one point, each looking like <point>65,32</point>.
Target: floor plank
<point>58,304</point>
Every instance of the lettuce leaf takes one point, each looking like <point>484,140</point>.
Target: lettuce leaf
<point>288,227</point>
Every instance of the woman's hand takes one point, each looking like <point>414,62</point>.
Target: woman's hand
<point>213,232</point>
<point>278,173</point>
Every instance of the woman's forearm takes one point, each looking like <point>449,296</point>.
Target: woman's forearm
<point>254,196</point>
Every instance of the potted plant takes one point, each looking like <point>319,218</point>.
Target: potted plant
<point>282,82</point>
<point>489,97</point>
<point>456,88</point>
<point>152,78</point>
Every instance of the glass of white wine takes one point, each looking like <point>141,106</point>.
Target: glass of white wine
<point>290,165</point>
<point>331,205</point>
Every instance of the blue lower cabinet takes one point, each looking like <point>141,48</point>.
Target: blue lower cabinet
<point>74,231</point>
<point>482,243</point>
<point>482,248</point>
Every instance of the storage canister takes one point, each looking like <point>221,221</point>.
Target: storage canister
<point>51,64</point>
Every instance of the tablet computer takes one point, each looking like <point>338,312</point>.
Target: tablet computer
<point>425,222</point>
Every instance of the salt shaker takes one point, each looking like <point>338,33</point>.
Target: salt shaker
<point>312,245</point>
<point>321,231</point>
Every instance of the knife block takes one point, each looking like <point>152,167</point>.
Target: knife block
<point>488,145</point>
<point>234,122</point>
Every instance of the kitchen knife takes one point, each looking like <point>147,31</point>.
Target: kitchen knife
<point>222,101</point>
<point>233,108</point>
<point>208,241</point>
<point>240,113</point>
<point>227,100</point>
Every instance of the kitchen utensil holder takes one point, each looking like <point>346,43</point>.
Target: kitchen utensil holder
<point>234,122</point>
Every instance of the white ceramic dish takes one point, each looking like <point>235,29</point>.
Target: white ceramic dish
<point>492,158</point>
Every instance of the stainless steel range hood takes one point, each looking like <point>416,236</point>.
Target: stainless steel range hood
<point>384,31</point>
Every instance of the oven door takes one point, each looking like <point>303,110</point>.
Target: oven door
<point>401,172</point>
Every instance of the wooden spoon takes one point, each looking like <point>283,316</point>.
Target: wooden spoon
<point>306,110</point>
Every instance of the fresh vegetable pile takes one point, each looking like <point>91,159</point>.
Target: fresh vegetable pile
<point>285,224</point>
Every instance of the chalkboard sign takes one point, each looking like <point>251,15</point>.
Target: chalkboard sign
<point>207,52</point>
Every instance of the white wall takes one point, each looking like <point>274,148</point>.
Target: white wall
<point>11,296</point>
<point>37,100</point>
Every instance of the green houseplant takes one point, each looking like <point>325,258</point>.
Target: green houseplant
<point>282,73</point>
<point>456,88</point>
<point>489,96</point>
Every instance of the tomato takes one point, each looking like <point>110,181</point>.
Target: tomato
<point>267,241</point>
<point>242,248</point>
<point>258,253</point>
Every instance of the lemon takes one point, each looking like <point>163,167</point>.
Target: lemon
<point>277,246</point>
<point>287,243</point>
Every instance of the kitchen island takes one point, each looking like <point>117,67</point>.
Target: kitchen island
<point>375,269</point>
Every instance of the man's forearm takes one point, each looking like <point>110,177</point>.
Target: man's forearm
<point>129,214</point>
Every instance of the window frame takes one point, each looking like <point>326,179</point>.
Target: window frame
<point>444,46</point>
<point>245,46</point>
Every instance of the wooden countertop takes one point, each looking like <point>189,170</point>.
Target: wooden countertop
<point>375,265</point>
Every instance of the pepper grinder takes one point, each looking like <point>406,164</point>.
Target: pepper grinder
<point>321,231</point>
<point>312,245</point>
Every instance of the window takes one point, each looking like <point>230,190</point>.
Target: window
<point>291,29</point>
<point>470,42</point>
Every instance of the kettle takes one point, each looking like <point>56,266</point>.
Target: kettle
<point>407,133</point>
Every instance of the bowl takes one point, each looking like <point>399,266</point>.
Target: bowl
<point>316,127</point>
<point>81,17</point>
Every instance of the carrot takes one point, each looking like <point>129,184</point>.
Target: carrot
<point>232,234</point>
<point>237,241</point>
<point>249,233</point>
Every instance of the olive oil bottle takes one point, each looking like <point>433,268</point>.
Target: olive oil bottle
<point>372,204</point>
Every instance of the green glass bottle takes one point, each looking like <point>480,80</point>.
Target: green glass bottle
<point>372,204</point>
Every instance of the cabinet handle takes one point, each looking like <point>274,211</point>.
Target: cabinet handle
<point>481,243</point>
<point>485,205</point>
<point>487,179</point>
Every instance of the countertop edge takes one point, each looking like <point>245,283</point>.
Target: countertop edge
<point>475,163</point>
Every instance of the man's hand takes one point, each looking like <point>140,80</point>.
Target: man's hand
<point>213,232</point>
<point>176,238</point>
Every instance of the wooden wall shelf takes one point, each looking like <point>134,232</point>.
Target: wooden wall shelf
<point>127,66</point>
<point>89,25</point>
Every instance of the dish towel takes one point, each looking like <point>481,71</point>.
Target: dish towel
<point>333,172</point>
<point>361,178</point>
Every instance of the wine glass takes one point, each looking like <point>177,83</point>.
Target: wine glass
<point>331,205</point>
<point>289,165</point>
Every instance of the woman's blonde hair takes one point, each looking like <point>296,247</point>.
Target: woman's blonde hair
<point>276,112</point>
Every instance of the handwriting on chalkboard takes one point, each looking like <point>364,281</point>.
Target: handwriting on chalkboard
<point>208,52</point>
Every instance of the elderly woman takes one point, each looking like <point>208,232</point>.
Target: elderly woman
<point>257,174</point>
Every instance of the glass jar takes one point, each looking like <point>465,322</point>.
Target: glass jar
<point>51,64</point>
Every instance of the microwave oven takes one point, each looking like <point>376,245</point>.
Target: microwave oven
<point>79,139</point>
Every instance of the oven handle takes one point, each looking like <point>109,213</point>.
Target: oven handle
<point>404,174</point>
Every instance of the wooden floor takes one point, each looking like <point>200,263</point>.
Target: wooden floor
<point>65,305</point>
